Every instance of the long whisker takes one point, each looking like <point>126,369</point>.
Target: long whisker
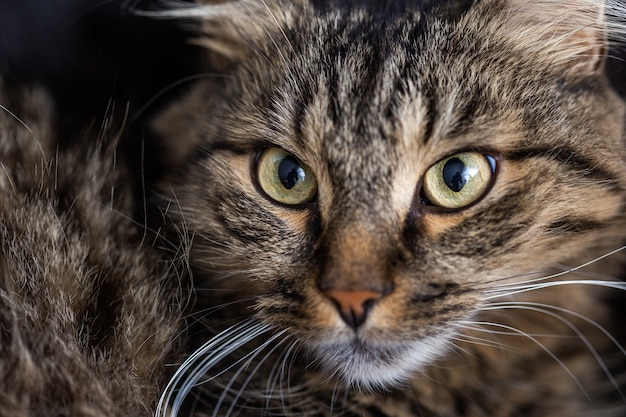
<point>207,355</point>
<point>491,282</point>
<point>183,10</point>
<point>278,374</point>
<point>476,325</point>
<point>573,313</point>
<point>267,343</point>
<point>479,341</point>
<point>200,374</point>
<point>619,285</point>
<point>171,87</point>
<point>271,38</point>
<point>543,309</point>
<point>570,270</point>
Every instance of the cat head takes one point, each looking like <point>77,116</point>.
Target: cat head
<point>366,176</point>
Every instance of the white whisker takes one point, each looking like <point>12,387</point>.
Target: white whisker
<point>277,375</point>
<point>573,313</point>
<point>252,356</point>
<point>207,355</point>
<point>269,34</point>
<point>619,285</point>
<point>170,87</point>
<point>278,25</point>
<point>543,309</point>
<point>477,325</point>
<point>181,10</point>
<point>479,341</point>
<point>570,270</point>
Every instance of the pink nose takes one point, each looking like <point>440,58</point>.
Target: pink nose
<point>353,305</point>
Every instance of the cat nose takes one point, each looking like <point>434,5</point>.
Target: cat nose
<point>353,305</point>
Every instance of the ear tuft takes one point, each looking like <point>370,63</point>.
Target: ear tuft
<point>229,29</point>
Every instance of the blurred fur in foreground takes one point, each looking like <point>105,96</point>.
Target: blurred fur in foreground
<point>88,311</point>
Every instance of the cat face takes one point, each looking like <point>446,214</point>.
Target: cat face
<point>366,180</point>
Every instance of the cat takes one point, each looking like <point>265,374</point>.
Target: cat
<point>89,312</point>
<point>388,208</point>
<point>399,208</point>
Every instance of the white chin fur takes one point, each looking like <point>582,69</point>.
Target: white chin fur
<point>379,366</point>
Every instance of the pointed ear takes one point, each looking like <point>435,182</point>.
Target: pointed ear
<point>569,35</point>
<point>232,29</point>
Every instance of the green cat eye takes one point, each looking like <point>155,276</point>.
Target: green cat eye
<point>285,179</point>
<point>459,180</point>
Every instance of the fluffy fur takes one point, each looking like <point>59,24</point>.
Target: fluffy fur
<point>367,299</point>
<point>478,311</point>
<point>88,311</point>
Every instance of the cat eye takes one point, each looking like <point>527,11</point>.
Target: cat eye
<point>285,179</point>
<point>459,180</point>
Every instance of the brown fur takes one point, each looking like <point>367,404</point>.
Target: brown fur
<point>88,312</point>
<point>369,96</point>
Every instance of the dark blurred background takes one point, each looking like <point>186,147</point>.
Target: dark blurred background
<point>616,68</point>
<point>88,51</point>
<point>98,55</point>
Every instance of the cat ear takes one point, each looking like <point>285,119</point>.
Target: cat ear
<point>570,35</point>
<point>230,29</point>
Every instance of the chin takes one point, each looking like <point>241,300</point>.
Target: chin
<point>378,366</point>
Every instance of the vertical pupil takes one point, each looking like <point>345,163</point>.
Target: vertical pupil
<point>455,174</point>
<point>290,172</point>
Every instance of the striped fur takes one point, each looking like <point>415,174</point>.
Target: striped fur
<point>485,311</point>
<point>480,320</point>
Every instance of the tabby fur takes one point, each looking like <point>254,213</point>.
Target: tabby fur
<point>483,311</point>
<point>506,307</point>
<point>89,312</point>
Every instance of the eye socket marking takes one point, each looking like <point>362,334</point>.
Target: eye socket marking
<point>284,179</point>
<point>459,180</point>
